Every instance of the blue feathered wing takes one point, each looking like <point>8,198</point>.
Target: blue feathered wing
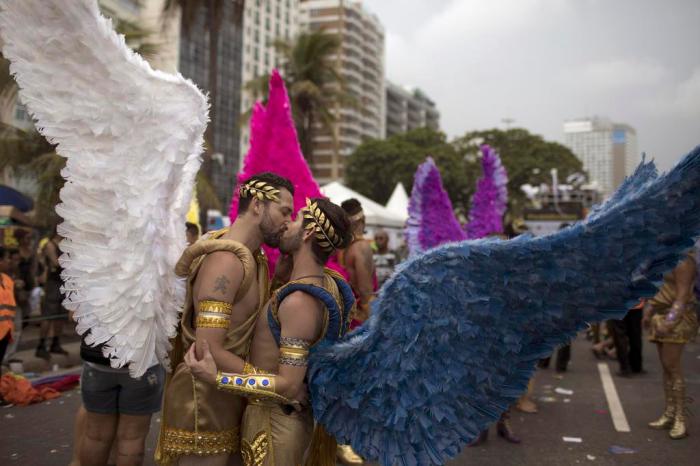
<point>455,334</point>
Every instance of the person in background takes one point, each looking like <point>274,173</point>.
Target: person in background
<point>53,310</point>
<point>357,260</point>
<point>672,318</point>
<point>24,272</point>
<point>627,336</point>
<point>384,259</point>
<point>8,306</point>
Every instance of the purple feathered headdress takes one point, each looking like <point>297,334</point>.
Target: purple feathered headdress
<point>490,199</point>
<point>431,220</point>
<point>274,147</point>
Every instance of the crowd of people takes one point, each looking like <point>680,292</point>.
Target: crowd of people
<point>112,424</point>
<point>31,295</point>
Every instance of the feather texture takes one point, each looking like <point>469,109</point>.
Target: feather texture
<point>274,147</point>
<point>431,220</point>
<point>490,199</point>
<point>132,138</point>
<point>455,334</point>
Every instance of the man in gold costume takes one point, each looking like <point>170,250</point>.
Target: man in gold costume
<point>227,281</point>
<point>672,316</point>
<point>313,307</point>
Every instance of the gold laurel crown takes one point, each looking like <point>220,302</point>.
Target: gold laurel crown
<point>326,236</point>
<point>261,190</point>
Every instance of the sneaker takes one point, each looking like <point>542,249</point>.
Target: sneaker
<point>42,353</point>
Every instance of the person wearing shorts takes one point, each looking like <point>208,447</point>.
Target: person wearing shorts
<point>118,407</point>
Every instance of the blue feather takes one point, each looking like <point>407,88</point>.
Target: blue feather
<point>455,334</point>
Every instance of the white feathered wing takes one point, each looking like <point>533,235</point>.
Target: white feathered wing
<point>132,138</point>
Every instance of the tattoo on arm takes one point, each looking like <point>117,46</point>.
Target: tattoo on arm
<point>221,284</point>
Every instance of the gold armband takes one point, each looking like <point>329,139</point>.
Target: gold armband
<point>214,314</point>
<point>256,386</point>
<point>294,351</point>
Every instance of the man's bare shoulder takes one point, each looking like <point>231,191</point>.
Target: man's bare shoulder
<point>220,276</point>
<point>298,300</point>
<point>300,313</point>
<point>359,248</point>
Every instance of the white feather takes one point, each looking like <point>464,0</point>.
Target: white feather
<point>132,137</point>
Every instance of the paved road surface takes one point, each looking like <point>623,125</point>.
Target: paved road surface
<point>42,434</point>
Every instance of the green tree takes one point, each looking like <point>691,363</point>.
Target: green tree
<point>377,165</point>
<point>528,158</point>
<point>315,87</point>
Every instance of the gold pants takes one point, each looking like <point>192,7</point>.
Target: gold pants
<point>197,419</point>
<point>269,437</point>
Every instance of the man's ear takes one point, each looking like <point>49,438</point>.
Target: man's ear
<point>257,206</point>
<point>308,234</point>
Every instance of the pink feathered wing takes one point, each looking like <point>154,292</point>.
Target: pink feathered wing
<point>274,147</point>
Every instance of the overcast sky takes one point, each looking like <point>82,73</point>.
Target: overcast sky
<point>541,62</point>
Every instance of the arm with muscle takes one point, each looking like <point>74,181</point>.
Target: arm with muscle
<point>363,267</point>
<point>219,279</point>
<point>684,274</point>
<point>301,319</point>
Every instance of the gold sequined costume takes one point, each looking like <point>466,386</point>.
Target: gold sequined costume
<point>686,326</point>
<point>673,323</point>
<point>198,419</point>
<point>269,435</point>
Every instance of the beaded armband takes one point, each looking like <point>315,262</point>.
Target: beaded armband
<point>256,386</point>
<point>214,314</point>
<point>294,352</point>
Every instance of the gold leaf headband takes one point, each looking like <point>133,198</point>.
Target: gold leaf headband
<point>261,190</point>
<point>326,236</point>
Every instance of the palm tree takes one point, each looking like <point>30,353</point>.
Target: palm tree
<point>316,88</point>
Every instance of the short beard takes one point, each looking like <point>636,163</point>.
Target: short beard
<point>271,237</point>
<point>292,245</point>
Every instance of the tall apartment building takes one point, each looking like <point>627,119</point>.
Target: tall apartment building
<point>408,109</point>
<point>608,150</point>
<point>264,21</point>
<point>194,64</point>
<point>361,64</point>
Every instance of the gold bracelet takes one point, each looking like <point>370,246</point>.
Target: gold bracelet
<point>256,386</point>
<point>294,351</point>
<point>204,321</point>
<point>214,314</point>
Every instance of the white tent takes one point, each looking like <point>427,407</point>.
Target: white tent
<point>375,214</point>
<point>398,202</point>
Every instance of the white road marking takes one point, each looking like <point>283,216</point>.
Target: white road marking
<point>616,412</point>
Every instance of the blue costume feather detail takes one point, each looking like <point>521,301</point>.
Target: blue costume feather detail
<point>454,335</point>
<point>338,319</point>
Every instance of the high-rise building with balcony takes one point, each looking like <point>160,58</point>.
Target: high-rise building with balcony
<point>361,64</point>
<point>264,21</point>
